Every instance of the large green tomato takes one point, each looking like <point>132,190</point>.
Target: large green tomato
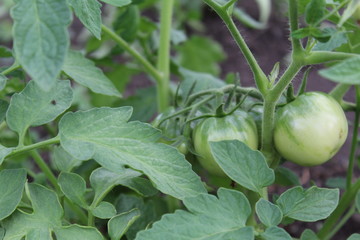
<point>311,129</point>
<point>237,126</point>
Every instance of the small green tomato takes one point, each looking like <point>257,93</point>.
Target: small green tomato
<point>310,130</point>
<point>237,126</point>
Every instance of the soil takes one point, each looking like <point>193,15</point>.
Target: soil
<point>269,46</point>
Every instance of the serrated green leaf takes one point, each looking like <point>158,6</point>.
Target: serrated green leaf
<point>78,232</point>
<point>354,236</point>
<point>301,33</point>
<point>202,81</point>
<point>105,135</point>
<point>35,107</point>
<point>12,183</point>
<point>41,38</point>
<point>5,52</point>
<point>118,3</point>
<point>275,233</point>
<point>127,23</point>
<point>209,218</point>
<point>268,213</point>
<point>103,180</point>
<point>308,205</point>
<point>346,72</point>
<point>201,54</point>
<point>89,13</point>
<point>336,182</point>
<point>286,177</point>
<point>309,235</point>
<point>84,72</point>
<point>104,210</point>
<point>151,210</point>
<point>37,225</point>
<point>3,80</point>
<point>118,225</point>
<point>62,160</point>
<point>74,188</point>
<point>4,151</point>
<point>315,10</point>
<point>337,39</point>
<point>242,164</point>
<point>143,104</point>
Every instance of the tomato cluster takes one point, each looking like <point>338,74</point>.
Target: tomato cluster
<point>308,131</point>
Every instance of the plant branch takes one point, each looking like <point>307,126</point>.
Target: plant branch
<point>344,203</point>
<point>163,64</point>
<point>133,52</point>
<point>354,141</point>
<point>339,91</point>
<point>294,25</point>
<point>259,76</point>
<point>45,169</point>
<point>268,124</point>
<point>10,69</point>
<point>341,223</point>
<point>27,148</point>
<point>318,57</point>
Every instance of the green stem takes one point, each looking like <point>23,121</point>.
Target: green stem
<point>91,219</point>
<point>79,212</point>
<point>318,57</point>
<point>344,203</point>
<point>45,169</point>
<point>267,145</point>
<point>339,91</point>
<point>341,223</point>
<point>133,52</point>
<point>253,92</point>
<point>27,148</point>
<point>354,142</point>
<point>294,25</point>
<point>259,76</point>
<point>163,64</point>
<point>10,69</point>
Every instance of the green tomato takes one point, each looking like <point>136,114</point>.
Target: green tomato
<point>311,129</point>
<point>237,126</point>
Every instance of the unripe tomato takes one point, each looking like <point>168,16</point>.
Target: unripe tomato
<point>237,126</point>
<point>311,129</point>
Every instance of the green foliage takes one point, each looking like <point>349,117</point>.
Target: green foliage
<point>243,165</point>
<point>12,183</point>
<point>89,14</point>
<point>36,45</point>
<point>34,106</point>
<point>84,72</point>
<point>346,72</point>
<point>308,205</point>
<point>127,144</point>
<point>209,218</point>
<point>79,159</point>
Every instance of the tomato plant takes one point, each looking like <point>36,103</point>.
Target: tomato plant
<point>310,130</point>
<point>236,126</point>
<point>82,81</point>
